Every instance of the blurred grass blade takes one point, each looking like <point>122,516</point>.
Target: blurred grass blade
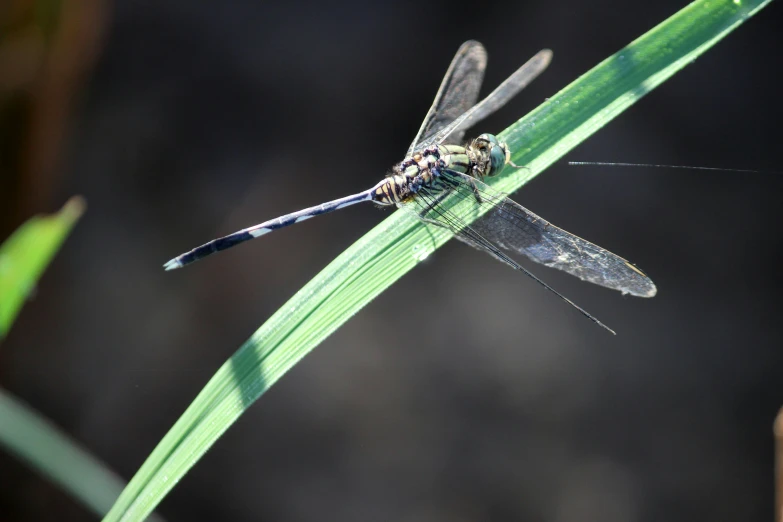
<point>25,255</point>
<point>400,242</point>
<point>24,432</point>
<point>35,440</point>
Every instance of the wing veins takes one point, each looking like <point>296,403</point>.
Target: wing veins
<point>458,90</point>
<point>512,227</point>
<point>494,101</point>
<point>470,236</point>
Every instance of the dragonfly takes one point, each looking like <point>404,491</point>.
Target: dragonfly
<point>441,182</point>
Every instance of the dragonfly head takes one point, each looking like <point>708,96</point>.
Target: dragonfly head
<point>498,154</point>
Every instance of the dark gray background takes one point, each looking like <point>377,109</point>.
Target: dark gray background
<point>205,117</point>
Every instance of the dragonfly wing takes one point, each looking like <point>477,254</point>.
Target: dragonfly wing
<point>509,226</point>
<point>494,101</point>
<point>458,91</point>
<point>437,207</point>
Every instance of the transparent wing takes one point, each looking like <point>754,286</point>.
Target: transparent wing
<point>458,91</point>
<point>454,130</point>
<point>509,226</point>
<point>427,205</point>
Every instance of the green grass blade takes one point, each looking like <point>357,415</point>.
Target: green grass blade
<point>395,246</point>
<point>25,255</point>
<point>34,439</point>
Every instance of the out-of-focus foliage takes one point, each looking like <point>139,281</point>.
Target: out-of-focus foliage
<point>24,432</point>
<point>33,438</point>
<point>26,254</point>
<point>47,49</point>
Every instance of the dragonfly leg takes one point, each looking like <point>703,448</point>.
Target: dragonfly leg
<point>476,192</point>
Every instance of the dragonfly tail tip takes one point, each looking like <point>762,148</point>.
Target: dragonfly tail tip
<point>172,264</point>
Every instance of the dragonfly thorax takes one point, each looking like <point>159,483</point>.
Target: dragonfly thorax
<point>483,157</point>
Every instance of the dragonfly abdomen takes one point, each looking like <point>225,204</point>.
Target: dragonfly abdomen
<point>246,234</point>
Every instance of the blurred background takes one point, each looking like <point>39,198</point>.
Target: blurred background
<point>181,121</point>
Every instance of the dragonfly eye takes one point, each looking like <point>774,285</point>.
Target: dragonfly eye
<point>488,143</point>
<point>488,140</point>
<point>497,159</point>
<point>497,153</point>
